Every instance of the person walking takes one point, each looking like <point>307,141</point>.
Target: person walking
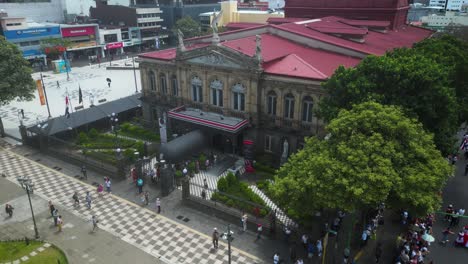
<point>95,221</point>
<point>9,210</point>
<point>244,222</point>
<point>215,237</point>
<point>51,208</point>
<point>108,183</point>
<point>319,248</point>
<point>88,199</point>
<point>158,205</point>
<point>59,223</point>
<point>140,185</point>
<point>100,188</point>
<point>76,199</point>
<point>259,231</point>
<point>378,252</point>
<point>146,198</point>
<point>84,172</point>
<point>276,258</point>
<point>304,240</point>
<point>55,216</point>
<point>445,235</point>
<point>287,234</point>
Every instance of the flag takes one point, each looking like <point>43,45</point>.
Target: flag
<point>40,90</point>
<point>157,42</point>
<point>80,95</point>
<point>66,100</point>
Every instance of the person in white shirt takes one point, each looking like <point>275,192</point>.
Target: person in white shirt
<point>276,258</point>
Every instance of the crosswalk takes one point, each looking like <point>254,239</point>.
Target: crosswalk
<point>152,233</point>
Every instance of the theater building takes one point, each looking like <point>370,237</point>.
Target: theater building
<point>261,83</point>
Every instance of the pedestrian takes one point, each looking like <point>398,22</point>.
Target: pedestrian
<point>319,247</point>
<point>404,217</point>
<point>205,183</point>
<point>108,82</point>
<point>88,199</point>
<point>378,252</point>
<point>244,222</point>
<point>9,210</point>
<point>51,208</point>
<point>146,198</point>
<point>287,234</point>
<point>203,194</point>
<point>300,261</point>
<point>140,185</point>
<point>95,221</point>
<point>259,231</point>
<point>134,175</point>
<point>55,216</point>
<point>22,113</point>
<point>445,235</point>
<point>365,237</point>
<point>207,164</point>
<point>448,213</point>
<point>310,250</point>
<point>100,188</point>
<point>84,172</point>
<point>76,199</point>
<point>59,223</point>
<point>305,241</point>
<point>276,258</point>
<point>158,205</point>
<point>215,237</point>
<point>107,182</point>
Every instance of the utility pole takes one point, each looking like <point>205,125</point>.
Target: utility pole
<point>134,74</point>
<point>45,94</point>
<point>229,243</point>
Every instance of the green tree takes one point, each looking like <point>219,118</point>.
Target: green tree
<point>189,27</point>
<point>403,77</point>
<point>15,74</point>
<point>54,47</point>
<point>374,154</point>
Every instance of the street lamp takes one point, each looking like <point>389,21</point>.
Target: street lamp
<point>114,121</point>
<point>228,236</point>
<point>28,185</point>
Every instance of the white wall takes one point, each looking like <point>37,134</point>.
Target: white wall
<point>455,4</point>
<point>38,12</point>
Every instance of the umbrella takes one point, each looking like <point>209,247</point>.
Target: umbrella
<point>428,238</point>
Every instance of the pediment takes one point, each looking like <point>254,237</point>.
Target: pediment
<point>216,59</point>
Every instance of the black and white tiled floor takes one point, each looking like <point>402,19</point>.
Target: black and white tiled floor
<point>157,235</point>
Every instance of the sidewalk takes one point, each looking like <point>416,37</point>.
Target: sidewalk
<point>77,241</point>
<point>172,207</point>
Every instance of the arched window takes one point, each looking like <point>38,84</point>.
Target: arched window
<point>271,103</point>
<point>163,83</point>
<point>151,81</point>
<point>238,97</point>
<point>307,108</point>
<point>175,86</point>
<point>216,87</point>
<point>289,106</point>
<point>197,94</point>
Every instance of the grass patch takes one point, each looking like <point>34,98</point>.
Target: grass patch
<point>106,141</point>
<point>10,251</point>
<point>134,131</point>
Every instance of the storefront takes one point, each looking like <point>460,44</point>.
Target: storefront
<point>29,40</point>
<point>115,48</point>
<point>84,38</point>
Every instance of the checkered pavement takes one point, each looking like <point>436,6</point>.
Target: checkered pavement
<point>156,235</point>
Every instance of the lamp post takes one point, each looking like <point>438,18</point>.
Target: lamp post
<point>114,122</point>
<point>228,236</point>
<point>134,74</point>
<point>28,185</point>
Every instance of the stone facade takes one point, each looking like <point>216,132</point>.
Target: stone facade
<point>217,79</point>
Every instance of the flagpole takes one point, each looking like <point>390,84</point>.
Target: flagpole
<point>45,94</point>
<point>134,74</point>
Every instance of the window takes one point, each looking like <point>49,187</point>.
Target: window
<point>289,106</point>
<point>197,94</point>
<point>238,96</point>
<point>152,81</point>
<point>271,103</point>
<point>216,87</point>
<point>307,107</point>
<point>268,142</point>
<point>110,38</point>
<point>175,86</point>
<point>163,83</point>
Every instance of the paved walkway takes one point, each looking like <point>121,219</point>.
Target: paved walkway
<point>155,234</point>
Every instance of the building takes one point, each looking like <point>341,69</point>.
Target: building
<point>147,18</point>
<point>84,38</point>
<point>50,11</point>
<point>394,11</point>
<point>174,10</point>
<point>440,22</point>
<point>111,40</point>
<point>28,36</point>
<point>261,83</point>
<point>231,14</point>
<point>449,5</point>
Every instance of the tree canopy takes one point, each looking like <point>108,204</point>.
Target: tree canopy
<point>189,27</point>
<point>427,81</point>
<point>15,74</point>
<point>374,154</point>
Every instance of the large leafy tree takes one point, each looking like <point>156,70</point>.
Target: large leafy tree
<point>374,154</point>
<point>189,27</point>
<point>15,74</point>
<point>54,47</point>
<point>403,77</point>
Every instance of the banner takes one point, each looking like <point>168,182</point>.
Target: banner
<point>114,45</point>
<point>40,90</point>
<point>78,31</point>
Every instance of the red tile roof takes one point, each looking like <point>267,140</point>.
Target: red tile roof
<point>240,25</point>
<point>169,54</point>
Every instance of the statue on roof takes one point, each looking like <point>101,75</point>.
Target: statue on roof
<point>180,36</point>
<point>258,49</point>
<point>214,26</point>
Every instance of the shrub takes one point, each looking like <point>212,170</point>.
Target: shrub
<point>192,167</point>
<point>140,147</point>
<point>93,133</point>
<point>202,160</point>
<point>230,203</point>
<point>222,184</point>
<point>125,126</point>
<point>129,154</point>
<point>231,179</point>
<point>82,138</point>
<point>178,174</point>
